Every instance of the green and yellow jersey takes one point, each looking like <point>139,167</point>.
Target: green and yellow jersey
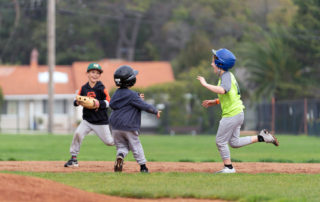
<point>231,103</point>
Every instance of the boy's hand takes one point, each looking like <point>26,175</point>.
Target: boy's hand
<point>202,80</point>
<point>209,103</point>
<point>158,114</point>
<point>96,103</point>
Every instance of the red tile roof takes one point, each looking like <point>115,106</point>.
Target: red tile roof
<point>150,73</point>
<point>24,80</point>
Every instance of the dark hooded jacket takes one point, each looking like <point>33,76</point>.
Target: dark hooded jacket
<point>127,106</point>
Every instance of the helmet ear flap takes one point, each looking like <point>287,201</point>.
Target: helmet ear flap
<point>218,63</point>
<point>131,82</point>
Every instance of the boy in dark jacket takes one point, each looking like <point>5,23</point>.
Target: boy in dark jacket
<point>95,120</point>
<point>125,119</point>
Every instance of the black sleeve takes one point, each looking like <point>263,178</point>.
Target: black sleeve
<point>103,100</point>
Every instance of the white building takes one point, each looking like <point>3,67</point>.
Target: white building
<point>25,90</point>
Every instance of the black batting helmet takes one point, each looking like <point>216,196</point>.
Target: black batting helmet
<point>125,76</point>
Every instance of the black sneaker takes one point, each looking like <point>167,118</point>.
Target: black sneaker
<point>144,169</point>
<point>72,163</point>
<point>118,164</point>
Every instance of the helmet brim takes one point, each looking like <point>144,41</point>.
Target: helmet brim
<point>214,52</point>
<point>136,72</point>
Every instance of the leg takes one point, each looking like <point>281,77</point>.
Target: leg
<point>78,136</point>
<point>122,148</point>
<point>103,132</point>
<point>136,147</point>
<point>236,141</point>
<point>226,129</point>
<point>82,130</point>
<point>224,133</point>
<point>121,142</point>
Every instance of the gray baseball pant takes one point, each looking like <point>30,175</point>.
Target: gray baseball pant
<point>129,140</point>
<point>102,131</point>
<point>229,132</point>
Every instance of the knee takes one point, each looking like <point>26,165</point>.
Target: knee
<point>109,142</point>
<point>234,144</point>
<point>221,144</point>
<point>78,136</point>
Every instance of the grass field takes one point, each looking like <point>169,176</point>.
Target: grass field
<point>201,148</point>
<point>239,186</point>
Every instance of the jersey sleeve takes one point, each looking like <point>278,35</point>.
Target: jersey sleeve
<point>142,105</point>
<point>104,103</point>
<point>107,95</point>
<point>226,81</point>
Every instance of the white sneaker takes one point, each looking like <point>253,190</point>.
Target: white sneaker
<point>227,170</point>
<point>269,138</point>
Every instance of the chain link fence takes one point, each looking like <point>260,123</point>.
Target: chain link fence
<point>290,117</point>
<point>282,117</point>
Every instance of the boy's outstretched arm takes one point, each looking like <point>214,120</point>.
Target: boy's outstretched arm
<point>142,105</point>
<point>215,89</point>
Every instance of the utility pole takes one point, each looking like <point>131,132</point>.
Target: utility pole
<point>51,60</point>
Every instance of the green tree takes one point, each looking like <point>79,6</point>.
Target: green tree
<point>273,69</point>
<point>19,20</point>
<point>305,38</point>
<point>197,50</point>
<point>141,30</point>
<point>183,100</point>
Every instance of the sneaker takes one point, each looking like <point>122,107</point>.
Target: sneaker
<point>72,163</point>
<point>226,170</point>
<point>269,138</point>
<point>144,170</point>
<point>118,164</point>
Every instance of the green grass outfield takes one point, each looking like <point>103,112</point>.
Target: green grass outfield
<point>239,186</point>
<point>201,148</point>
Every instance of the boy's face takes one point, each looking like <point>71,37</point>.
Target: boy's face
<point>93,76</point>
<point>215,68</point>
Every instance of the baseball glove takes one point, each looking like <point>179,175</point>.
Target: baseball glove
<point>87,102</point>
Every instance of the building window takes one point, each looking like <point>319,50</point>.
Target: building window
<point>4,107</point>
<point>60,106</point>
<point>9,107</point>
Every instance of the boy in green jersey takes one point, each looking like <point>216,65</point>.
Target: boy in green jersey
<point>232,109</point>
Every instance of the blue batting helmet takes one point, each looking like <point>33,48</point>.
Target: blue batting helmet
<point>224,58</point>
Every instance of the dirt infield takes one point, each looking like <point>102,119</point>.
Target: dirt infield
<point>22,188</point>
<point>131,167</point>
<point>31,189</point>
